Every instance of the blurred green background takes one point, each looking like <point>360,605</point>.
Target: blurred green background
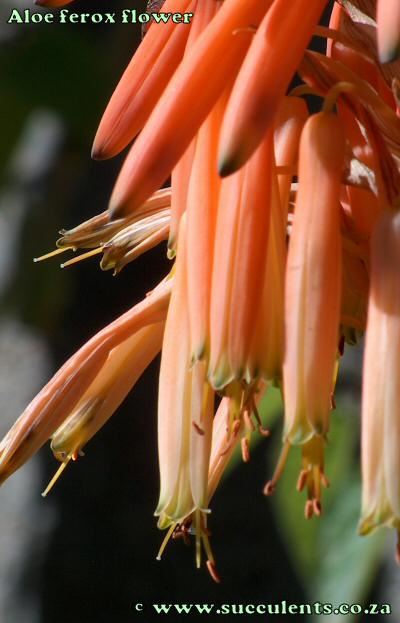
<point>87,553</point>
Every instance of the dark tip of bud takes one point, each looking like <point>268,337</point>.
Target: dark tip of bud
<point>229,166</point>
<point>98,153</point>
<point>390,55</point>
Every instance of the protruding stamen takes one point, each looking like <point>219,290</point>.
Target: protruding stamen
<point>207,546</point>
<point>232,438</point>
<point>56,477</point>
<point>263,431</point>
<point>270,486</point>
<point>317,507</point>
<point>165,541</point>
<point>302,479</point>
<point>47,256</point>
<point>316,470</point>
<point>213,571</point>
<point>249,424</point>
<point>198,539</point>
<point>83,256</point>
<point>245,450</point>
<point>324,480</point>
<point>309,509</point>
<point>335,92</point>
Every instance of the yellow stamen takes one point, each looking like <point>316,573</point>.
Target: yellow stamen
<point>335,92</point>
<point>198,538</point>
<point>165,541</point>
<point>270,486</point>
<point>303,89</point>
<point>83,256</point>
<point>56,477</point>
<point>47,256</point>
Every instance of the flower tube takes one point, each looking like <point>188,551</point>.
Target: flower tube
<point>313,282</point>
<point>55,401</point>
<point>381,374</point>
<point>123,367</point>
<point>241,244</point>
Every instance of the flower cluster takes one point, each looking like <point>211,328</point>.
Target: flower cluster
<point>285,235</point>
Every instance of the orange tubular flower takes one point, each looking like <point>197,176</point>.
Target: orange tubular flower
<point>313,282</point>
<point>380,400</point>
<point>202,204</point>
<point>241,243</point>
<point>290,119</point>
<point>142,84</point>
<point>193,90</point>
<point>181,173</point>
<point>123,367</point>
<point>62,393</point>
<point>185,417</point>
<point>388,20</point>
<point>269,332</point>
<point>264,77</point>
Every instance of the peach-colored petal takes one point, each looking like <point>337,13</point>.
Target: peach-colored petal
<point>123,367</point>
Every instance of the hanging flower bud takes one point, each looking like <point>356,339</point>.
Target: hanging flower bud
<point>185,412</point>
<point>381,373</point>
<point>313,281</point>
<point>240,252</point>
<point>57,399</point>
<point>124,365</point>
